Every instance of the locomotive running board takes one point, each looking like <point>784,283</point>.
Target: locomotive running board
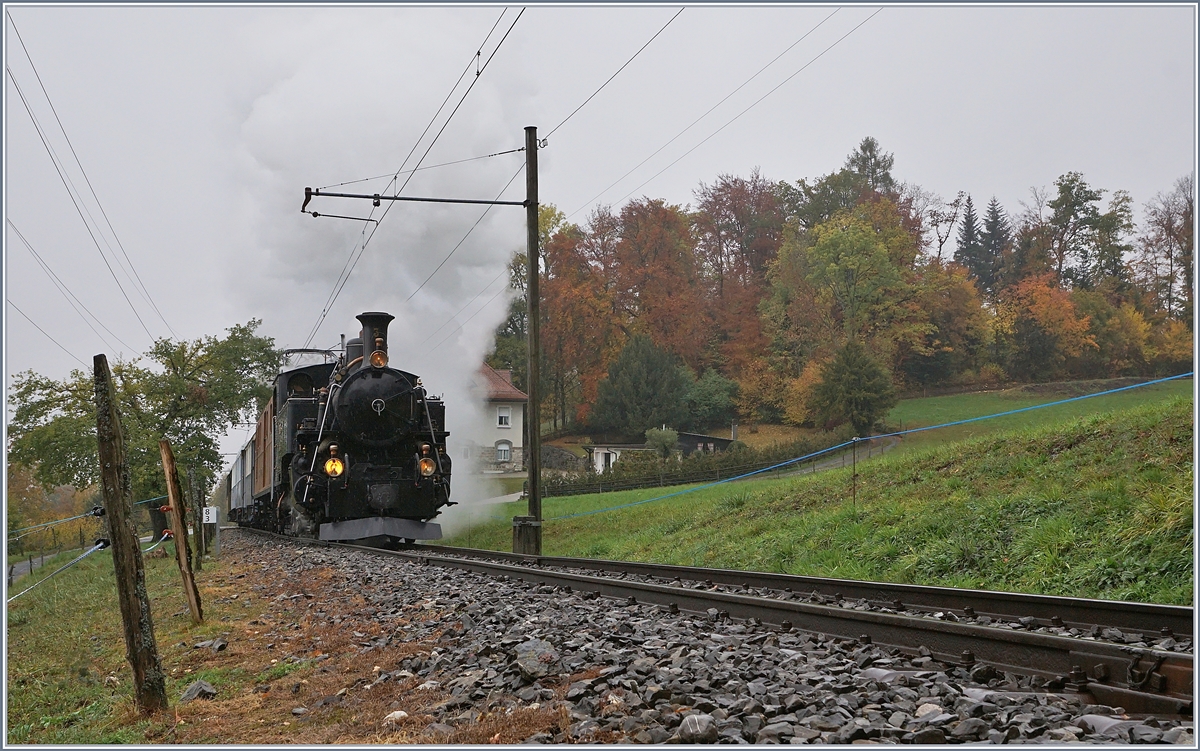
<point>358,529</point>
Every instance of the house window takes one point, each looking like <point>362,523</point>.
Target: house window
<point>504,417</point>
<point>503,451</point>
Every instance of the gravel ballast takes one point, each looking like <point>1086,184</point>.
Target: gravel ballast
<point>618,672</point>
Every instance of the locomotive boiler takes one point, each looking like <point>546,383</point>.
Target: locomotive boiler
<point>348,448</point>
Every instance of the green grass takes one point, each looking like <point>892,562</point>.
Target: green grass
<point>66,636</point>
<point>936,410</point>
<point>1095,506</point>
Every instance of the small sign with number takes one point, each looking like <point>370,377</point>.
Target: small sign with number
<point>210,514</point>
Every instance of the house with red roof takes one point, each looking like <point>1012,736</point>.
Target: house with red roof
<point>500,447</point>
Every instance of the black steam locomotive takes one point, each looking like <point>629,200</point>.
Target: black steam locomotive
<point>348,449</point>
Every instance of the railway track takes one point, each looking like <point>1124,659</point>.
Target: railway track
<point>1026,635</point>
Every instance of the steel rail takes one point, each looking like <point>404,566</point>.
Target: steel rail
<point>1076,612</point>
<point>1140,680</point>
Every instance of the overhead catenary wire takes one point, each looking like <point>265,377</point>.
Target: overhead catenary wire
<point>752,106</point>
<point>420,169</point>
<point>464,323</point>
<point>70,296</point>
<point>478,294</point>
<point>100,545</point>
<point>39,328</point>
<point>614,75</point>
<point>551,132</point>
<point>468,234</point>
<point>145,292</point>
<point>71,193</point>
<point>706,113</point>
<point>348,268</point>
<point>894,434</point>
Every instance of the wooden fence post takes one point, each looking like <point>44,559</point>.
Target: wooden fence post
<point>150,689</point>
<point>175,513</point>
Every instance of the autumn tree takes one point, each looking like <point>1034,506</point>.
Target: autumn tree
<point>1040,329</point>
<point>511,337</point>
<point>584,327</point>
<point>738,227</point>
<point>947,333</point>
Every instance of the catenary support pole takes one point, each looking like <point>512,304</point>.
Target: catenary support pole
<point>527,531</point>
<point>149,683</point>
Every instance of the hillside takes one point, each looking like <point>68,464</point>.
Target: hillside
<point>1098,506</point>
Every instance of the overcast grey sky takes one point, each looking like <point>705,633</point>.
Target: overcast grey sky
<point>199,128</point>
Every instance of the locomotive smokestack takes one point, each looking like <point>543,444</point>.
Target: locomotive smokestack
<point>374,330</point>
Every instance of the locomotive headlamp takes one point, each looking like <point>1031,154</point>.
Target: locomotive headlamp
<point>379,359</point>
<point>427,466</point>
<point>334,467</point>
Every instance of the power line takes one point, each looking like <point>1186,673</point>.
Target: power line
<point>464,323</point>
<point>752,106</point>
<point>54,160</point>
<point>39,328</point>
<point>464,239</point>
<point>486,287</point>
<point>418,169</point>
<point>145,292</point>
<point>614,75</point>
<point>552,130</point>
<point>345,276</point>
<point>706,114</point>
<point>65,291</point>
<point>352,258</point>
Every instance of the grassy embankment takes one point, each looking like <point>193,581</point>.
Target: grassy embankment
<point>1091,506</point>
<point>65,639</point>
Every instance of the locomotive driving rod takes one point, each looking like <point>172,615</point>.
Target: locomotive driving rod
<point>309,194</point>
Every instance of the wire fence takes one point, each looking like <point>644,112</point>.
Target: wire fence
<point>853,441</point>
<point>100,545</point>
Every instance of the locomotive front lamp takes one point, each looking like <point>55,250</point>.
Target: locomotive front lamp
<point>334,467</point>
<point>379,359</point>
<point>427,466</point>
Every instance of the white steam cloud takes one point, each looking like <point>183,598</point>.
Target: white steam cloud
<point>349,103</point>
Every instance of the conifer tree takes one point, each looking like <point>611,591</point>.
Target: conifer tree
<point>994,240</point>
<point>970,250</point>
<point>854,387</point>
